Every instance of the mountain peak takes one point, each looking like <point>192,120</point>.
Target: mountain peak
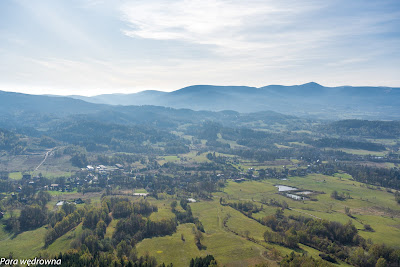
<point>312,84</point>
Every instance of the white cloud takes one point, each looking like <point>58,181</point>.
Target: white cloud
<point>227,24</point>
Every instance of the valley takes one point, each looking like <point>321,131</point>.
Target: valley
<point>248,189</point>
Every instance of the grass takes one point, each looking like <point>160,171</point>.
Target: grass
<point>59,193</point>
<point>29,244</point>
<point>249,190</point>
<point>233,144</point>
<point>194,158</point>
<point>300,144</point>
<point>360,151</point>
<point>25,245</point>
<point>63,243</point>
<point>386,142</point>
<point>386,229</point>
<point>15,175</point>
<point>171,158</point>
<point>228,248</point>
<point>3,233</point>
<point>111,228</point>
<point>171,249</point>
<point>187,158</point>
<point>367,205</point>
<point>54,173</point>
<point>162,213</point>
<point>140,190</point>
<point>281,146</point>
<point>48,174</point>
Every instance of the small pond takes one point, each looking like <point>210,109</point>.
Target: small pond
<point>295,196</point>
<point>282,188</point>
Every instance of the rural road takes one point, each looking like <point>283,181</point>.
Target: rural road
<point>45,157</point>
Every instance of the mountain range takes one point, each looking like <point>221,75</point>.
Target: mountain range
<point>310,100</point>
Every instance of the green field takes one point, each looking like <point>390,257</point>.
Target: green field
<point>25,245</point>
<point>361,151</point>
<point>368,206</point>
<point>228,244</point>
<point>63,243</point>
<point>15,175</point>
<point>171,249</point>
<point>29,243</point>
<point>239,241</point>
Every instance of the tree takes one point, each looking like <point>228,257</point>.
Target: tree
<point>335,195</point>
<point>397,196</point>
<point>279,213</point>
<point>13,225</point>
<point>68,208</point>
<point>79,160</point>
<point>101,228</point>
<point>381,263</point>
<point>174,204</point>
<point>32,217</point>
<point>197,239</point>
<point>347,211</point>
<point>123,249</point>
<point>42,198</point>
<point>359,258</point>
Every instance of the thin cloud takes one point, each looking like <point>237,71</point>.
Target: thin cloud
<point>252,25</point>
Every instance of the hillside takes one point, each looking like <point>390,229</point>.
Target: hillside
<point>24,111</point>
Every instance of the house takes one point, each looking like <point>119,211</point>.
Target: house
<point>102,167</point>
<point>141,194</point>
<point>119,166</point>
<point>90,168</point>
<point>54,187</point>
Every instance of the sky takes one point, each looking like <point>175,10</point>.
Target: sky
<point>91,47</point>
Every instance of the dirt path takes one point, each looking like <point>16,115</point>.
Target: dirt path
<point>45,157</point>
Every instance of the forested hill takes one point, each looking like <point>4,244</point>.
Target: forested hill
<point>364,128</point>
<point>40,111</point>
<point>310,99</point>
<point>12,103</point>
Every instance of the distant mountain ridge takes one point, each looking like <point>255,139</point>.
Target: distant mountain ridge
<point>32,114</point>
<point>310,99</point>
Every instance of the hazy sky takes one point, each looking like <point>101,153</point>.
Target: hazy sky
<point>91,47</point>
